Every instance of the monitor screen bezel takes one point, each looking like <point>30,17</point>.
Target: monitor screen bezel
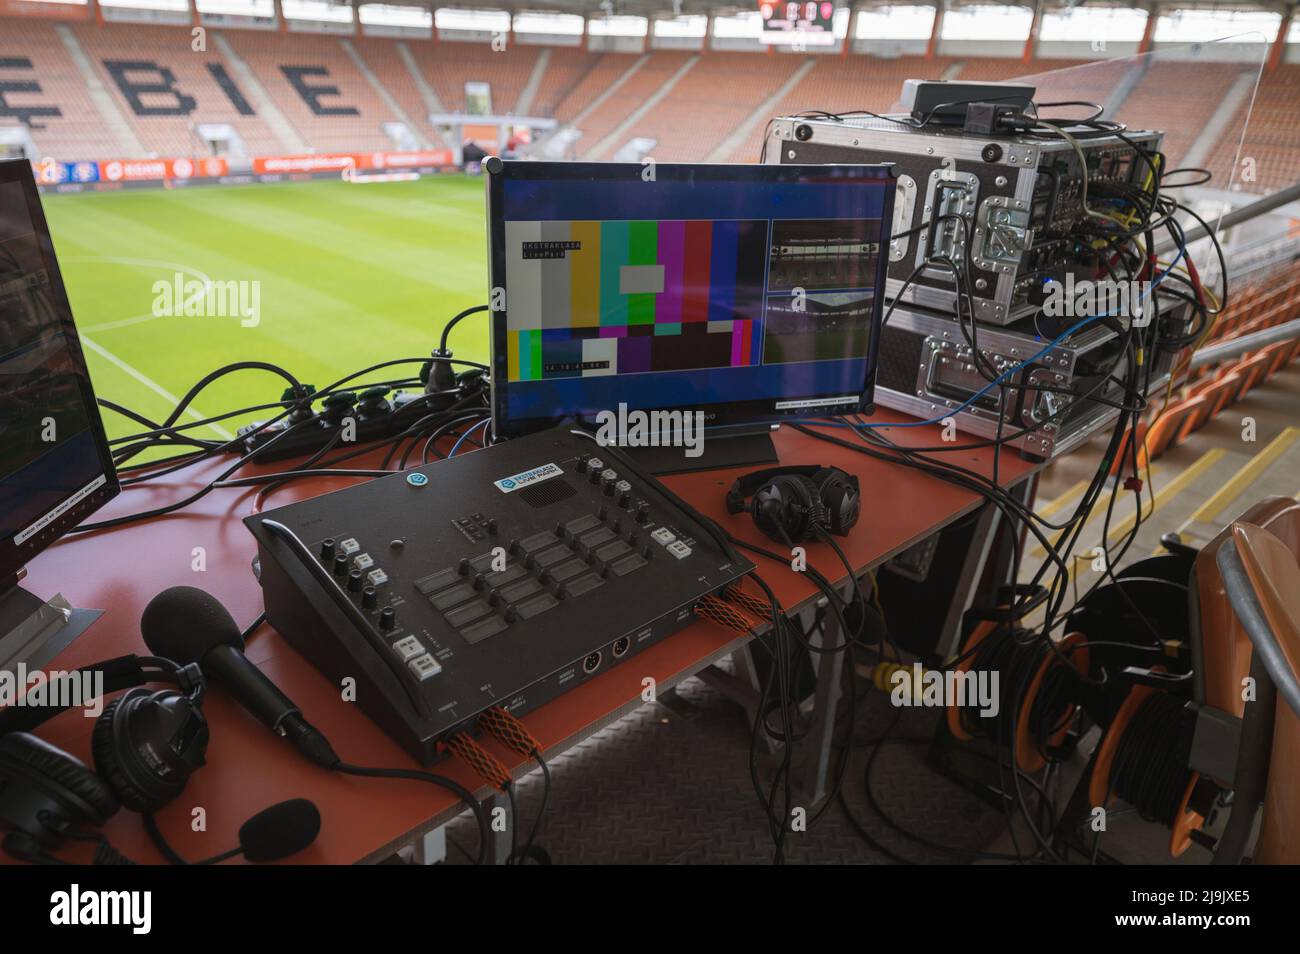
<point>720,415</point>
<point>17,557</point>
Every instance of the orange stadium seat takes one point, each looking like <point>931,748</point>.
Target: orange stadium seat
<point>643,84</point>
<point>448,66</point>
<point>717,95</point>
<point>32,52</point>
<point>164,87</point>
<point>1172,96</point>
<point>341,111</point>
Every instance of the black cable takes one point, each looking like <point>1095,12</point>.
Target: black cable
<point>446,329</point>
<point>527,851</point>
<point>417,775</point>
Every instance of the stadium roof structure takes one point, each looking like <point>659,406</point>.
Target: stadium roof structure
<point>667,9</point>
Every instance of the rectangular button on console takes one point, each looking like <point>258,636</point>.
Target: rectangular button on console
<point>536,606</point>
<point>597,537</point>
<point>452,597</point>
<point>553,556</point>
<point>582,524</point>
<point>408,648</point>
<point>512,572</point>
<point>424,667</point>
<point>518,591</point>
<point>438,581</point>
<point>483,629</point>
<point>461,615</point>
<point>612,551</point>
<point>583,584</point>
<point>627,564</point>
<point>567,571</point>
<point>663,536</point>
<point>538,541</point>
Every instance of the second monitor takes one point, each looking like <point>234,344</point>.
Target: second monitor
<point>748,293</point>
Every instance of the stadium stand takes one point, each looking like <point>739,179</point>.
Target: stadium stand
<point>46,91</point>
<point>1265,302</point>
<point>165,87</point>
<point>449,66</point>
<point>318,87</point>
<point>1172,97</point>
<point>329,93</point>
<point>842,84</point>
<point>606,70</point>
<point>647,81</point>
<point>388,60</point>
<point>1272,138</point>
<point>718,93</point>
<point>565,70</point>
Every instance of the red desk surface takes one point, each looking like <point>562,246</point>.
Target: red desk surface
<point>248,768</point>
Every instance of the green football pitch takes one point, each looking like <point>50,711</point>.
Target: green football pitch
<point>343,276</point>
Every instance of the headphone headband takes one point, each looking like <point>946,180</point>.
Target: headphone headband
<point>745,486</point>
<point>121,672</point>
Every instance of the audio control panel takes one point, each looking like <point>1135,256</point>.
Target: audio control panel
<point>501,577</point>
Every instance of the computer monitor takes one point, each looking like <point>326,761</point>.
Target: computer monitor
<point>55,466</point>
<point>750,293</point>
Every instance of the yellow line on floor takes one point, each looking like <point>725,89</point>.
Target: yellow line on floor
<point>1169,490</point>
<point>1243,478</point>
<point>1097,512</point>
<point>1057,503</point>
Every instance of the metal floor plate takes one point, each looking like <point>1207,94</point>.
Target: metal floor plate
<point>672,785</point>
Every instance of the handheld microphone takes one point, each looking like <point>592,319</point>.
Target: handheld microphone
<point>188,625</point>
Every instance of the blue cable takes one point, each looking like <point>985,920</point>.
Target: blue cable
<point>1030,360</point>
<point>460,440</point>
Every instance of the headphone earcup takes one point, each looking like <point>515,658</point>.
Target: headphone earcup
<point>840,497</point>
<point>787,508</point>
<point>56,780</point>
<point>138,786</point>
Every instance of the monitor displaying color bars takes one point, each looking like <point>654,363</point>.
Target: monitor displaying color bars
<point>747,292</point>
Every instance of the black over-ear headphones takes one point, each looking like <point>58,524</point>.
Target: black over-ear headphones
<point>145,744</point>
<point>795,503</point>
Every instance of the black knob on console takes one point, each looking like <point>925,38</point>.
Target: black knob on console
<point>340,564</point>
<point>464,568</point>
<point>354,581</point>
<point>387,618</point>
<point>642,514</point>
<point>369,599</point>
<point>327,549</point>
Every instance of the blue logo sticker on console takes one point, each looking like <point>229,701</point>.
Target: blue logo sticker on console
<point>417,480</point>
<point>517,481</point>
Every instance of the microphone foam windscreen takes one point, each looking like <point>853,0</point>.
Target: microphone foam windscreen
<point>182,623</point>
<point>280,831</point>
